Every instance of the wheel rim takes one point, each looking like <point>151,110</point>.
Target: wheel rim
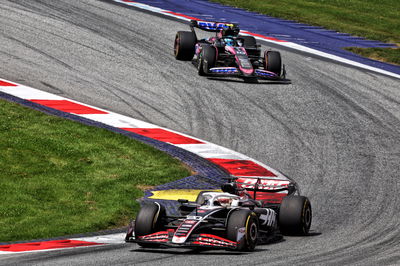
<point>253,232</point>
<point>176,46</point>
<point>200,64</point>
<point>266,61</point>
<point>307,217</point>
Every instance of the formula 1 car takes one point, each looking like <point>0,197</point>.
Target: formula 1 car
<point>232,219</point>
<point>227,53</point>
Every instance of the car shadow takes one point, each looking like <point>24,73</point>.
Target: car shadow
<point>257,82</point>
<point>205,251</point>
<point>185,252</point>
<point>310,234</point>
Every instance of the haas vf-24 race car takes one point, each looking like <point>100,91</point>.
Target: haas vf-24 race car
<point>227,53</point>
<point>232,219</point>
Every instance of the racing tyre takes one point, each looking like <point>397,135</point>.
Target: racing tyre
<point>243,224</point>
<point>248,41</point>
<point>184,45</point>
<point>295,215</point>
<point>149,220</point>
<point>206,60</point>
<point>273,62</point>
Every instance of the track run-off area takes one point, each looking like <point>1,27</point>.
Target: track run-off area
<point>334,129</point>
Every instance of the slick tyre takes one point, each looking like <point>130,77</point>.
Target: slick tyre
<point>295,215</point>
<point>207,59</point>
<point>273,62</point>
<point>244,222</point>
<point>184,45</point>
<point>248,41</point>
<point>149,220</point>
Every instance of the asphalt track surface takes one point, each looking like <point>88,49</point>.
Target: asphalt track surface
<point>334,129</point>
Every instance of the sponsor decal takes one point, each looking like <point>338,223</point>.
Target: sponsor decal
<point>213,240</point>
<point>269,184</point>
<point>240,51</point>
<point>213,26</point>
<point>197,218</point>
<point>178,239</point>
<point>226,70</point>
<point>265,73</point>
<point>159,237</point>
<point>269,218</point>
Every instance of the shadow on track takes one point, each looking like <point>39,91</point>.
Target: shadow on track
<point>256,82</point>
<point>210,251</point>
<point>185,252</point>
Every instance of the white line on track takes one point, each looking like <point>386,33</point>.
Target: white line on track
<point>291,45</point>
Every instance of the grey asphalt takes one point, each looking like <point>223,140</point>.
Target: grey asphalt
<point>334,129</point>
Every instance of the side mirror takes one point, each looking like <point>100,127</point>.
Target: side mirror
<point>193,23</point>
<point>182,201</point>
<point>291,188</point>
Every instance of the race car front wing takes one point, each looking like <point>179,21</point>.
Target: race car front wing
<point>234,71</point>
<point>164,238</point>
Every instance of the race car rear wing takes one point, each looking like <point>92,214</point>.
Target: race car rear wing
<point>262,184</point>
<point>213,26</point>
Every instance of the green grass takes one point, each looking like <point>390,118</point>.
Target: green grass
<point>380,54</point>
<point>372,19</point>
<point>59,177</point>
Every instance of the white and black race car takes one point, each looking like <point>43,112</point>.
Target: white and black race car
<point>231,219</point>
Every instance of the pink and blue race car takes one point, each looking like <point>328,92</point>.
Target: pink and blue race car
<point>227,53</point>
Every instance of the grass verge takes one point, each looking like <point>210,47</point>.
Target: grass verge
<point>387,55</point>
<point>59,177</point>
<point>372,19</point>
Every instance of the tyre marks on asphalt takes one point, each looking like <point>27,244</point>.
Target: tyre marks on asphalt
<point>282,43</point>
<point>232,162</point>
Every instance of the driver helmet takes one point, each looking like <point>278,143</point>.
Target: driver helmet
<point>229,41</point>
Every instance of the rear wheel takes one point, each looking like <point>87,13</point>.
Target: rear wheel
<point>273,62</point>
<point>148,221</point>
<point>295,215</point>
<point>206,59</point>
<point>243,224</point>
<point>184,46</point>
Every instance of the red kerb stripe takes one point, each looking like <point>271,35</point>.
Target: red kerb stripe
<point>264,37</point>
<point>69,107</point>
<point>46,245</point>
<point>242,167</point>
<point>181,15</point>
<point>7,84</point>
<point>163,135</point>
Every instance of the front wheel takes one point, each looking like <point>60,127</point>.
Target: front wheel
<point>273,62</point>
<point>242,227</point>
<point>149,220</point>
<point>295,215</point>
<point>207,59</point>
